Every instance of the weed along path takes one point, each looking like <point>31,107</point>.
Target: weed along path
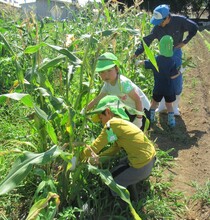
<point>190,171</point>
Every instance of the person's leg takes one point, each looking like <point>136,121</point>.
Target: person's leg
<point>171,118</point>
<point>162,106</point>
<point>177,57</point>
<point>177,82</point>
<point>176,105</point>
<point>153,107</point>
<point>169,106</point>
<point>132,175</point>
<point>154,104</point>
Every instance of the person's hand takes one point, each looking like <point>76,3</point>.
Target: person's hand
<point>139,62</point>
<point>138,122</point>
<point>94,158</point>
<point>180,45</point>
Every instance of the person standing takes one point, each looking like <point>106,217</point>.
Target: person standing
<point>166,23</point>
<point>163,86</point>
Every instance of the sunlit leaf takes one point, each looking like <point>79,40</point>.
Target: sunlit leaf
<point>23,166</point>
<point>150,56</point>
<point>106,12</point>
<point>34,49</point>
<point>26,99</point>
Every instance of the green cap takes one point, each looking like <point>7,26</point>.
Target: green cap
<point>113,103</point>
<point>166,46</point>
<point>106,61</point>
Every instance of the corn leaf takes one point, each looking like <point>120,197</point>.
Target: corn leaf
<point>34,49</point>
<point>150,55</point>
<point>51,131</point>
<point>66,52</point>
<point>120,190</point>
<point>40,113</point>
<point>51,62</point>
<point>41,204</point>
<point>26,99</point>
<point>7,44</point>
<point>23,166</point>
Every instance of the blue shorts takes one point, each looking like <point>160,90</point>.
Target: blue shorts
<point>178,82</point>
<point>177,57</point>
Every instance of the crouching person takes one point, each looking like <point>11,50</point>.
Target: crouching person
<point>123,136</point>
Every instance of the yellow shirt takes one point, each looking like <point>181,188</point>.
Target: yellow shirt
<point>138,147</point>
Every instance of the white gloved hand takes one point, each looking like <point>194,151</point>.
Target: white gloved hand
<point>73,163</point>
<point>138,122</point>
<point>182,69</point>
<point>137,62</point>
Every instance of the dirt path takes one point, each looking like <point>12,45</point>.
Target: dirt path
<point>191,137</point>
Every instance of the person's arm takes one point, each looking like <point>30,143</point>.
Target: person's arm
<point>95,101</point>
<point>175,76</point>
<point>97,147</point>
<point>192,29</point>
<point>174,71</point>
<point>188,26</point>
<point>112,150</point>
<point>100,142</point>
<point>148,40</point>
<point>137,99</point>
<point>129,89</point>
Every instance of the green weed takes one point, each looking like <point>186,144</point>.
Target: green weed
<point>202,193</point>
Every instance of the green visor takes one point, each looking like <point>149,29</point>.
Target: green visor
<point>115,105</point>
<point>106,61</point>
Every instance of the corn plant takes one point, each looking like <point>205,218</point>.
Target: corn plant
<point>54,81</point>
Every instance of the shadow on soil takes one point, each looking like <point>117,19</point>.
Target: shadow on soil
<point>178,138</point>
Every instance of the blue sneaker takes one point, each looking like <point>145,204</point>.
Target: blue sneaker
<point>171,120</point>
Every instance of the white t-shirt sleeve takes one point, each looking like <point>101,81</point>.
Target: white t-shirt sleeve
<point>127,86</point>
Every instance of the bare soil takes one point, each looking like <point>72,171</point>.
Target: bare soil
<point>191,137</point>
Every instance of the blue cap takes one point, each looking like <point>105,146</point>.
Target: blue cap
<point>159,13</point>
